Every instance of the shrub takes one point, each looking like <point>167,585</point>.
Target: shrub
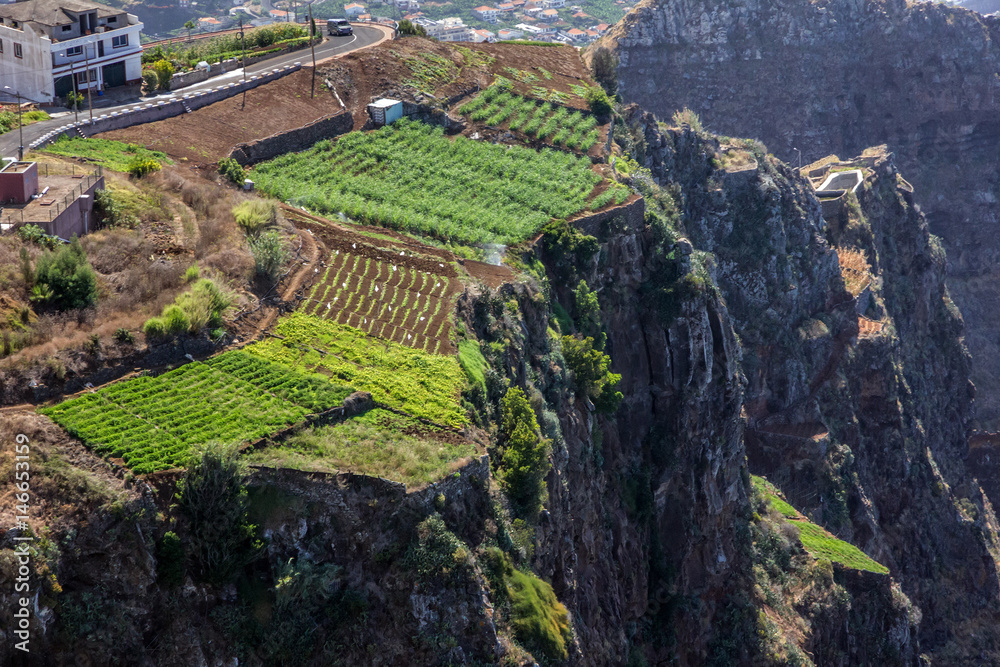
<point>436,552</point>
<point>213,497</point>
<point>170,559</point>
<point>598,102</point>
<point>231,169</point>
<point>123,336</point>
<point>141,166</point>
<point>588,314</point>
<point>74,100</point>
<point>155,328</point>
<point>689,118</point>
<point>111,212</point>
<point>590,371</point>
<point>192,273</point>
<point>255,215</point>
<point>150,81</point>
<point>35,234</point>
<point>539,620</point>
<point>164,73</point>
<point>269,254</point>
<point>68,276</point>
<point>175,320</point>
<point>523,453</point>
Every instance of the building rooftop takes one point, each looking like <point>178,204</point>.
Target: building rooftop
<point>54,12</point>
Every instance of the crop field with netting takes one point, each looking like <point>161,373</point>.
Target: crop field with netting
<point>411,177</point>
<point>388,299</point>
<point>152,422</point>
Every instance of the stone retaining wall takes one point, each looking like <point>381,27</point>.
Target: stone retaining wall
<point>292,141</point>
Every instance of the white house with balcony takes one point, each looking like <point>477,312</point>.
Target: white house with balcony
<point>50,47</point>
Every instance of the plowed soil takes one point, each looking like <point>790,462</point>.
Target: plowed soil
<point>206,135</point>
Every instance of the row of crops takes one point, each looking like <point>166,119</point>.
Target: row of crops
<point>411,177</point>
<point>424,385</point>
<point>393,302</point>
<point>152,422</point>
<point>555,124</point>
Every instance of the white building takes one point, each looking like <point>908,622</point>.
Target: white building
<point>354,10</point>
<point>480,36</point>
<point>488,14</point>
<point>451,29</point>
<point>510,33</point>
<point>45,43</point>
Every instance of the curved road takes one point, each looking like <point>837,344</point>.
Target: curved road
<point>331,47</point>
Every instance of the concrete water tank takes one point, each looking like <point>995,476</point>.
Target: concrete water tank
<point>385,111</point>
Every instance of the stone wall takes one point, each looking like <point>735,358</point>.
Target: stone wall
<point>293,141</point>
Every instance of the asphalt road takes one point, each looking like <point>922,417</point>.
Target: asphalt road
<point>332,46</point>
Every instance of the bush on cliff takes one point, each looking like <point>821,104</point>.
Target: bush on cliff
<point>523,455</point>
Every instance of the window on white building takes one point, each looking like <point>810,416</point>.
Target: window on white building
<point>74,51</point>
<point>119,41</point>
<point>17,51</point>
<point>112,19</point>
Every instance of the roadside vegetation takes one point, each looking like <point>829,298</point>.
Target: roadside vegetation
<point>411,177</point>
<point>110,154</point>
<point>8,118</point>
<point>259,41</point>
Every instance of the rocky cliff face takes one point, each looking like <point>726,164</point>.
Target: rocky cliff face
<point>857,400</point>
<point>837,76</point>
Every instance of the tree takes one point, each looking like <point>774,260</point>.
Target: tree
<point>213,497</point>
<point>65,278</point>
<point>604,68</point>
<point>588,314</point>
<point>189,26</point>
<point>523,453</point>
<point>591,372</point>
<point>598,102</point>
<point>164,73</point>
<point>407,27</point>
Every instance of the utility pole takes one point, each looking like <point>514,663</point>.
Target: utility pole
<point>20,126</point>
<point>76,94</point>
<point>90,95</point>
<point>243,41</point>
<point>312,47</point>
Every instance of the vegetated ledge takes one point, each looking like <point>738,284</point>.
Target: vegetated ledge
<point>818,542</point>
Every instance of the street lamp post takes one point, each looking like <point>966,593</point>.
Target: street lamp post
<point>800,157</point>
<point>312,47</point>
<point>20,126</point>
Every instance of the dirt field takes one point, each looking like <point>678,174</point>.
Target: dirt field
<point>208,134</point>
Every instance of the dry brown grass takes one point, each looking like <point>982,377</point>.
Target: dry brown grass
<point>854,268</point>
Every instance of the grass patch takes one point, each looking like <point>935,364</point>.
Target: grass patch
<point>419,383</point>
<point>378,443</point>
<point>410,176</point>
<point>470,356</point>
<point>817,541</point>
<point>114,155</point>
<point>255,215</point>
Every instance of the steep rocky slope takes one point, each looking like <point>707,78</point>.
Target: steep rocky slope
<point>837,76</point>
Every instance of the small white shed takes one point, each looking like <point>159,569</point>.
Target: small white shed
<point>385,111</point>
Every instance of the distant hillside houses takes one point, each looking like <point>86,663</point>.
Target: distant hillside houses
<point>488,14</point>
<point>451,29</point>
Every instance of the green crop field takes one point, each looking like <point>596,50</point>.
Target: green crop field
<point>421,384</point>
<point>539,118</point>
<point>152,422</point>
<point>411,177</point>
<point>386,299</point>
<point>815,540</point>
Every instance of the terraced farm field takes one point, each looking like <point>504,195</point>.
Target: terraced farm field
<point>385,296</point>
<point>424,385</point>
<point>411,177</point>
<point>152,422</point>
<point>553,123</point>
